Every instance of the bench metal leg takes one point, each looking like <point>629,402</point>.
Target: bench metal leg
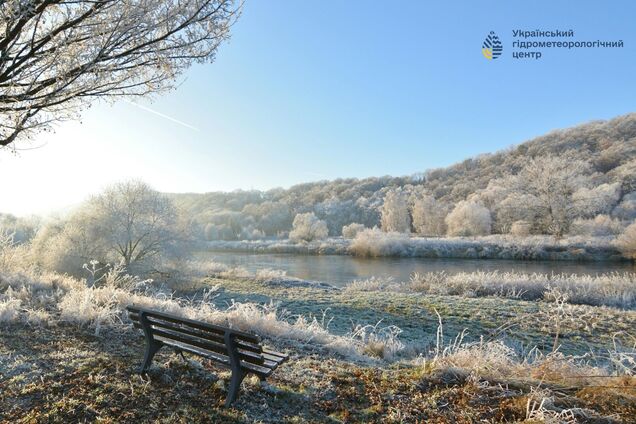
<point>151,349</point>
<point>235,385</point>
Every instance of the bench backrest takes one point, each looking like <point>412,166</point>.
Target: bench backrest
<point>221,341</point>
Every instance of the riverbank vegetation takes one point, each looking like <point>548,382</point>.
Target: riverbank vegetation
<point>377,243</point>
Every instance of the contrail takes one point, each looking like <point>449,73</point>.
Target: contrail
<point>176,121</point>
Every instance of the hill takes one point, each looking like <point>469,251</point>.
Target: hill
<point>606,149</point>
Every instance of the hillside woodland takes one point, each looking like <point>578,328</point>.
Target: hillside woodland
<point>579,181</point>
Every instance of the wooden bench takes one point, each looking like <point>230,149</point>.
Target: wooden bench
<point>241,352</point>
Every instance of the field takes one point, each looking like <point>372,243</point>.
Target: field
<point>68,353</point>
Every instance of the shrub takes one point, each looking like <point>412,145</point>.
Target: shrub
<point>627,242</point>
<point>308,227</point>
<point>374,242</point>
<point>351,231</point>
<point>469,219</point>
<point>520,228</point>
<point>602,225</point>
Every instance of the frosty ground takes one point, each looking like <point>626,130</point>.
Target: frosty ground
<point>68,353</point>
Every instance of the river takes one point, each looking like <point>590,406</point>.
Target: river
<point>339,270</point>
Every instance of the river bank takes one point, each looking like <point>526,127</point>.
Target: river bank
<point>537,248</point>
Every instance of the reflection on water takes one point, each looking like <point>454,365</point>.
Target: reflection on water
<point>340,270</point>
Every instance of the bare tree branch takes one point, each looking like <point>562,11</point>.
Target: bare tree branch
<point>58,56</point>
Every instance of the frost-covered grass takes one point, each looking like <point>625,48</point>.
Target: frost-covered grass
<point>66,309</point>
<point>612,289</point>
<point>50,299</point>
<point>376,243</point>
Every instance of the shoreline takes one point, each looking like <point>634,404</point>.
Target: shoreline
<point>533,248</point>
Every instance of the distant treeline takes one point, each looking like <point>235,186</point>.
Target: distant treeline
<point>580,181</point>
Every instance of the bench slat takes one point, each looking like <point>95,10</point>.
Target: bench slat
<point>282,356</point>
<point>196,324</point>
<point>184,328</point>
<point>223,361</point>
<point>276,359</point>
<point>217,348</point>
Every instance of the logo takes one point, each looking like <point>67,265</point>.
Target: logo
<point>492,48</point>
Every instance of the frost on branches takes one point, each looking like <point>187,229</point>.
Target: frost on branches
<point>56,57</point>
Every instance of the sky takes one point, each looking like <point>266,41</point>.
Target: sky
<point>315,89</point>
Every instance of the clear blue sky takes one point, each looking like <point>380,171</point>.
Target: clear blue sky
<point>310,90</point>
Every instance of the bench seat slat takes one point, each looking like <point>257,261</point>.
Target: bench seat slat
<point>257,349</point>
<point>272,358</point>
<point>217,348</point>
<point>282,356</point>
<point>222,360</point>
<point>196,324</point>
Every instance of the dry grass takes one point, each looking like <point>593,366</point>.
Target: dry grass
<point>613,289</point>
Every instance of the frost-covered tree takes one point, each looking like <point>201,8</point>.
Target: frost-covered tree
<point>428,216</point>
<point>133,221</point>
<point>338,213</point>
<point>516,207</point>
<point>602,225</point>
<point>395,212</point>
<point>469,219</point>
<point>270,217</point>
<point>57,56</point>
<point>308,227</point>
<point>547,186</point>
<point>128,223</point>
<point>599,200</point>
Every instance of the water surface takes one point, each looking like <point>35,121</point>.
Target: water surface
<point>339,270</point>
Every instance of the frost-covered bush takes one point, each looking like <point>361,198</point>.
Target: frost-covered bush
<point>520,228</point>
<point>469,219</point>
<point>371,284</point>
<point>626,209</point>
<point>9,310</point>
<point>22,229</point>
<point>351,231</point>
<point>602,225</point>
<point>374,242</point>
<point>12,254</point>
<point>308,227</point>
<point>626,242</point>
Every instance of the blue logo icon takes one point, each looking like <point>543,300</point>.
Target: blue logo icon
<point>492,47</point>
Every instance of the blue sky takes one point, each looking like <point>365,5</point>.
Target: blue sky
<point>311,90</point>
